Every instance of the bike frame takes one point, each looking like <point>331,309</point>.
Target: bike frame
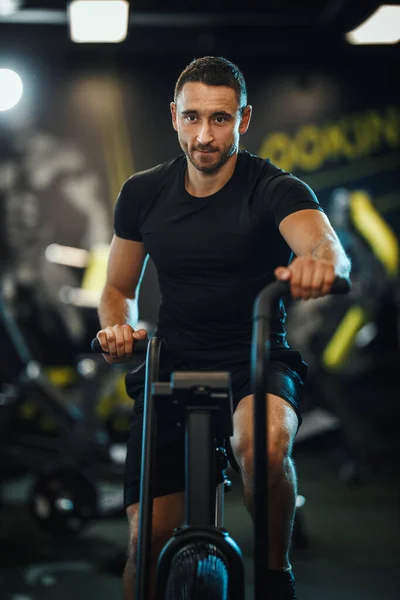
<point>265,305</point>
<point>148,458</point>
<point>205,419</point>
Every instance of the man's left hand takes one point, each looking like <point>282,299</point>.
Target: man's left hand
<point>309,277</point>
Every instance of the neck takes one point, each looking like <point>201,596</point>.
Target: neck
<point>201,184</point>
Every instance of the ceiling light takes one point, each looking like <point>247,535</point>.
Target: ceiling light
<point>10,89</point>
<point>382,27</point>
<point>97,21</point>
<point>9,7</point>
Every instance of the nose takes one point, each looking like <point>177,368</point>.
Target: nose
<point>204,136</point>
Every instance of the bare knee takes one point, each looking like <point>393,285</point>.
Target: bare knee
<point>158,541</point>
<point>133,547</point>
<point>282,426</point>
<point>168,514</point>
<point>278,458</point>
<point>278,454</point>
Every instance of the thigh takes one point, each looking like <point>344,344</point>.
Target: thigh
<point>284,410</point>
<point>284,381</point>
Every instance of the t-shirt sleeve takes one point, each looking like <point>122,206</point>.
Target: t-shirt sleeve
<point>289,195</point>
<point>126,214</point>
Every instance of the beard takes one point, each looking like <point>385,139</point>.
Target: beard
<point>213,158</point>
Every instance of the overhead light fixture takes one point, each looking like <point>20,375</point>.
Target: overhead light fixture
<point>98,21</point>
<point>9,7</point>
<point>382,27</point>
<point>10,89</point>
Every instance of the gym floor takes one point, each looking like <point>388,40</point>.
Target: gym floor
<point>353,541</point>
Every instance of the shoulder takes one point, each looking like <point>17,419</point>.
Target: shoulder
<point>273,179</point>
<point>287,184</point>
<point>149,179</point>
<point>261,173</point>
<point>257,166</point>
<point>279,192</point>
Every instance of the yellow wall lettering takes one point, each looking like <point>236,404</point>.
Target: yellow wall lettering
<point>351,137</point>
<point>309,148</point>
<point>279,148</point>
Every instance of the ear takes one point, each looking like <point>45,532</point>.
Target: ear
<point>245,120</point>
<point>173,114</point>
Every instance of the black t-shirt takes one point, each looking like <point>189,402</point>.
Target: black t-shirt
<point>213,255</point>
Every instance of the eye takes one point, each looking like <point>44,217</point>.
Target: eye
<point>220,120</point>
<point>190,118</point>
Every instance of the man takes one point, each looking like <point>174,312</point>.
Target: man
<point>219,224</point>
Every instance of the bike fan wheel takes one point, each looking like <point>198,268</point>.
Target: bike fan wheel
<point>198,572</point>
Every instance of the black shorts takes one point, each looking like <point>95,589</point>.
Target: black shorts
<point>286,376</point>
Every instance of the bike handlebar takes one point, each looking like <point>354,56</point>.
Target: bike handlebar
<point>139,347</point>
<point>262,308</point>
<point>272,293</point>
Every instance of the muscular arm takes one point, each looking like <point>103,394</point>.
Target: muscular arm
<point>125,265</point>
<point>309,233</point>
<point>319,254</point>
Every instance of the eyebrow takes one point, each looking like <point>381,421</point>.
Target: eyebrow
<point>218,113</point>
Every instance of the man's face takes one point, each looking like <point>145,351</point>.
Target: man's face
<point>208,121</point>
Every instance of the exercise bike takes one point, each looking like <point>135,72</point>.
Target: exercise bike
<point>201,561</point>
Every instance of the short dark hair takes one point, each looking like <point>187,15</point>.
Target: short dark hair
<point>214,70</point>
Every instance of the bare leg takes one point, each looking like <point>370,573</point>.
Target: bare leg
<point>282,503</point>
<point>282,428</point>
<point>168,513</point>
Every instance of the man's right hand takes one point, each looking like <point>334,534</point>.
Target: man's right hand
<point>118,342</point>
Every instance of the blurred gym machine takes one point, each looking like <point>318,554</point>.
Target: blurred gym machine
<point>51,433</point>
<point>352,347</point>
<point>68,465</point>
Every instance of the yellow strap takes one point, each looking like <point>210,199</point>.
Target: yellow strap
<point>375,231</point>
<point>341,342</point>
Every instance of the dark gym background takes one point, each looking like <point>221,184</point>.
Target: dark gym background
<point>91,115</point>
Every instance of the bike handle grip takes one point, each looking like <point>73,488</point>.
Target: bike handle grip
<point>139,347</point>
<point>340,285</point>
<point>271,294</point>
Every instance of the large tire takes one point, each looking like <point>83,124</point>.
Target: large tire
<point>198,572</point>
